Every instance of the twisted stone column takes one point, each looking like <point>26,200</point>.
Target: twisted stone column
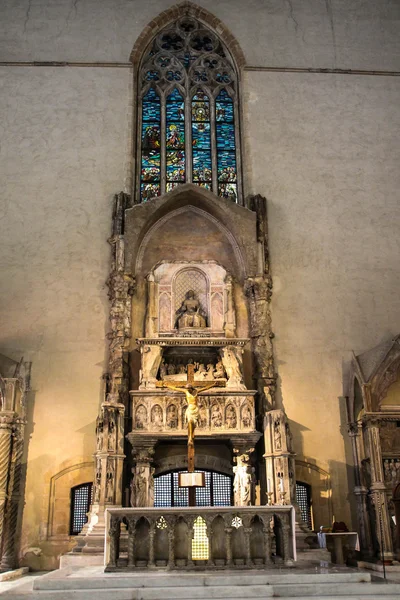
<point>6,422</point>
<point>9,558</point>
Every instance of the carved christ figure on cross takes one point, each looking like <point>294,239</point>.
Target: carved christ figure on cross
<point>191,389</point>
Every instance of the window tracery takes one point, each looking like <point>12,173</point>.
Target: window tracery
<point>188,116</point>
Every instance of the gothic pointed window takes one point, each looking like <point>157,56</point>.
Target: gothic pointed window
<point>188,113</point>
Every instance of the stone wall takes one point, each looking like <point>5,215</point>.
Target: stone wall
<point>322,148</point>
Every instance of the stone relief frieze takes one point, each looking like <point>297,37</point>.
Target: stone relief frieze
<point>391,470</point>
<point>216,413</point>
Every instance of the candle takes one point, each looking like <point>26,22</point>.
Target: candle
<point>268,486</point>
<point>280,484</point>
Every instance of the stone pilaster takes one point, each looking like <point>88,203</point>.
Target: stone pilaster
<point>258,290</point>
<point>360,491</point>
<point>279,457</point>
<point>378,490</point>
<point>110,424</point>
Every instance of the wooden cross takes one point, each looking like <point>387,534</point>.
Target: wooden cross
<point>191,389</point>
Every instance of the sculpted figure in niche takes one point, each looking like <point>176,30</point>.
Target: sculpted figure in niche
<point>201,371</point>
<point>171,369</point>
<point>202,415</point>
<point>172,416</point>
<point>111,429</point>
<point>210,371</point>
<point>99,433</point>
<point>109,482</point>
<point>98,481</point>
<point>277,435</point>
<point>132,490</point>
<point>190,313</point>
<point>219,370</point>
<point>141,417</point>
<point>163,369</point>
<point>230,417</point>
<point>246,416</point>
<point>157,416</point>
<point>388,474</point>
<point>216,416</point>
<point>181,369</point>
<point>141,487</point>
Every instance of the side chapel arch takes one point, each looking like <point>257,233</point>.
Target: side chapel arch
<point>187,115</point>
<point>373,426</point>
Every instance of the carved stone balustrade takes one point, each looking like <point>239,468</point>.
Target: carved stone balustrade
<point>193,538</point>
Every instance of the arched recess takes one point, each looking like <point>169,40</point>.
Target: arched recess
<point>60,498</point>
<point>198,216</point>
<point>171,63</point>
<point>320,481</point>
<point>228,224</point>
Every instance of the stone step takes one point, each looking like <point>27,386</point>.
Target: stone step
<point>95,578</point>
<point>91,583</point>
<point>137,594</point>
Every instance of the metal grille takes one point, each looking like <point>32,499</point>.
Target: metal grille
<point>303,499</point>
<point>200,543</point>
<point>191,279</point>
<point>81,499</point>
<point>162,491</point>
<point>217,491</point>
<point>222,490</point>
<point>181,496</point>
<point>203,495</point>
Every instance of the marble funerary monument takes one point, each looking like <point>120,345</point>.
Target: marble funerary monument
<point>191,428</point>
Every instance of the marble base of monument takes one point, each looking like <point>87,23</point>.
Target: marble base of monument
<point>92,583</point>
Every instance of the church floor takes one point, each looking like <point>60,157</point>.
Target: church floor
<point>307,581</point>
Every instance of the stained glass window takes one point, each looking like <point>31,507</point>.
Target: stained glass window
<point>150,179</point>
<point>226,146</point>
<point>201,140</point>
<point>175,140</point>
<point>189,114</point>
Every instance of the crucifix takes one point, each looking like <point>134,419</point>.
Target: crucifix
<point>191,389</point>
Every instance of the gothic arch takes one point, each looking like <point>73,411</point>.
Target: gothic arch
<point>191,10</point>
<point>386,373</point>
<point>187,115</point>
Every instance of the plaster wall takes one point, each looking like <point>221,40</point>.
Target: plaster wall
<point>64,153</point>
<point>326,34</point>
<point>322,148</point>
<point>324,151</point>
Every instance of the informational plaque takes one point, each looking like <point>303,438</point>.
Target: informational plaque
<point>192,480</point>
